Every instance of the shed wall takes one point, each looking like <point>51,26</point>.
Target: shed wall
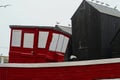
<point>86,33</point>
<point>93,33</point>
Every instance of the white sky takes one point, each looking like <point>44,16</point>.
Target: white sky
<point>37,12</point>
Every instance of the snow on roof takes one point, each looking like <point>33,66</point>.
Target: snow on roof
<point>105,9</point>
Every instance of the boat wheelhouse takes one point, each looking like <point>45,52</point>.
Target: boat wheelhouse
<point>35,44</point>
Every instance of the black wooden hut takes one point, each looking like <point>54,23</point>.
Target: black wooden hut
<point>94,26</point>
<point>115,44</point>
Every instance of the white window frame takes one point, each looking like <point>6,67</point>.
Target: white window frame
<point>65,44</point>
<point>54,42</point>
<point>28,41</point>
<point>16,38</point>
<point>59,44</point>
<point>42,39</point>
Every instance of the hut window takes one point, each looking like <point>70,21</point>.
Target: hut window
<point>16,38</point>
<point>28,40</point>
<point>42,40</point>
<point>53,44</point>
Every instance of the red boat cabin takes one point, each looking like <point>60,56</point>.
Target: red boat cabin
<point>38,44</point>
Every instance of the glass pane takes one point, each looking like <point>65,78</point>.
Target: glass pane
<point>16,38</point>
<point>54,42</point>
<point>60,43</point>
<point>28,40</point>
<point>65,43</point>
<point>42,40</point>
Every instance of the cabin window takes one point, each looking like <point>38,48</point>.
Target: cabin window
<point>42,40</point>
<point>16,38</point>
<point>59,43</point>
<point>28,40</point>
<point>53,44</point>
<point>65,43</point>
<point>62,43</point>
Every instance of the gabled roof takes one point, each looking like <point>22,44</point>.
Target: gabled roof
<point>101,8</point>
<point>105,9</point>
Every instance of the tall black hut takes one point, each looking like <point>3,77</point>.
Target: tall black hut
<point>94,29</point>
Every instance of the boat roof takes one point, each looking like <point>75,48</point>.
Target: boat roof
<point>63,29</point>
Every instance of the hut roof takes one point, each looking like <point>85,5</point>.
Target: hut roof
<point>101,8</point>
<point>105,9</point>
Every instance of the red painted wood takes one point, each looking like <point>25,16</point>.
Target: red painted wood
<point>35,55</point>
<point>3,74</point>
<point>88,72</point>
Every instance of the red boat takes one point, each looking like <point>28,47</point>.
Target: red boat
<point>90,52</point>
<point>106,69</point>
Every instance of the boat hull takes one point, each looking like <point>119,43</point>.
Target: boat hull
<point>79,70</point>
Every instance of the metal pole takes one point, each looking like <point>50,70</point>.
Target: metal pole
<point>2,59</point>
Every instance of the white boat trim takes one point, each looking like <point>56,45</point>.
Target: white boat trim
<point>61,64</point>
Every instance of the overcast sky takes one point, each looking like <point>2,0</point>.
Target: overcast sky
<point>37,12</point>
